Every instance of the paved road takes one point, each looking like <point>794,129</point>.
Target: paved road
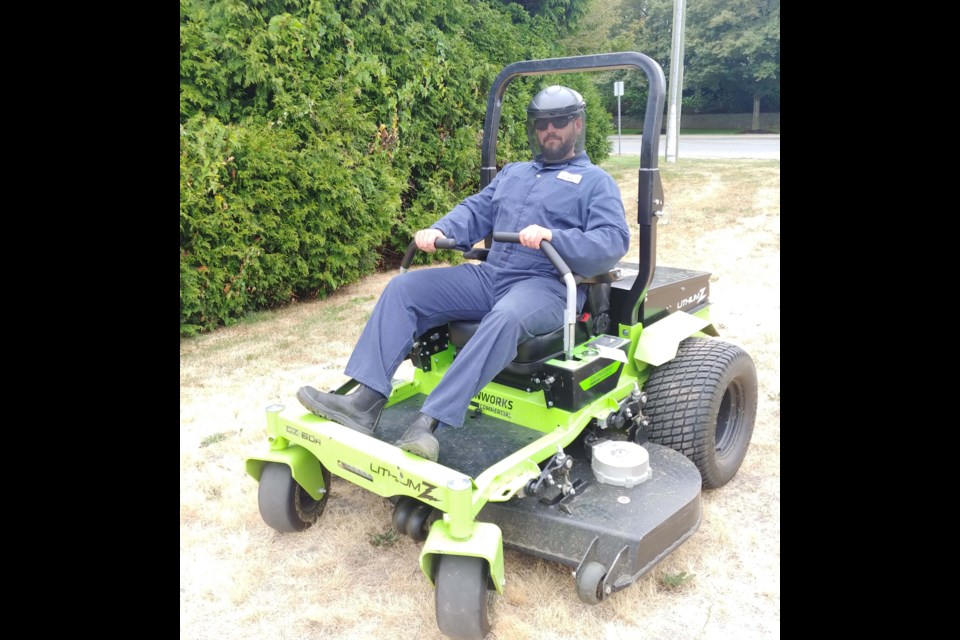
<point>763,146</point>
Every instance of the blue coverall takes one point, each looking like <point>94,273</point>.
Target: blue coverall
<point>516,293</point>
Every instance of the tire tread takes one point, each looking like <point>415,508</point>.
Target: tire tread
<point>684,396</point>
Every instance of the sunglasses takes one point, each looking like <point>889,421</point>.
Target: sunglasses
<point>558,123</point>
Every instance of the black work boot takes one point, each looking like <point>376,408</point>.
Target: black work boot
<point>419,438</point>
<point>359,410</point>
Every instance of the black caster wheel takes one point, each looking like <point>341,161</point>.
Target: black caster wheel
<point>590,582</point>
<point>401,512</point>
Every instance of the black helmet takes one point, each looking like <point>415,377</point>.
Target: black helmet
<point>559,105</point>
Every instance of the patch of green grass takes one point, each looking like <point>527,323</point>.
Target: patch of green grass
<point>254,317</point>
<point>334,313</point>
<point>386,539</point>
<point>621,167</point>
<point>675,581</point>
<point>709,132</point>
<point>690,132</point>
<point>618,166</point>
<point>213,438</point>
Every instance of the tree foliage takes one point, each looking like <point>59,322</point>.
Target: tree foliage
<point>563,14</point>
<point>317,135</point>
<point>731,49</point>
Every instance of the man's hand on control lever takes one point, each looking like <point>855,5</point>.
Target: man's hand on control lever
<point>529,237</point>
<point>533,235</point>
<point>425,239</point>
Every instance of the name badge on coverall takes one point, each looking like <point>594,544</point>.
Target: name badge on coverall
<point>569,177</point>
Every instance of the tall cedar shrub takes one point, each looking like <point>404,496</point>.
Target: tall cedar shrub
<point>315,137</point>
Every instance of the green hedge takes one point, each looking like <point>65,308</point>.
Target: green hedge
<point>316,137</point>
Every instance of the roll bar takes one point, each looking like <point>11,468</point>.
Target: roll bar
<point>650,194</point>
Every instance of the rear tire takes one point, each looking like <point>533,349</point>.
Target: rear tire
<point>284,504</point>
<point>703,403</point>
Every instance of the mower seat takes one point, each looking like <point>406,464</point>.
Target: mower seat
<point>594,319</point>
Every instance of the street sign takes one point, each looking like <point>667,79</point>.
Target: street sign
<point>618,91</point>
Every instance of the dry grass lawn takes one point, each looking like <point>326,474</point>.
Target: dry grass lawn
<point>348,577</point>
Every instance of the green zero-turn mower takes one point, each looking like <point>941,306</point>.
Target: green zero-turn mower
<point>590,449</point>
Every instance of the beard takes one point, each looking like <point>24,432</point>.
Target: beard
<point>557,152</point>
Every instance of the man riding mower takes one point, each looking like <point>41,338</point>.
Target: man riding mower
<point>598,400</point>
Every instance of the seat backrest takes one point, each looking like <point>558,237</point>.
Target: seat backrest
<point>596,308</point>
<point>593,320</point>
